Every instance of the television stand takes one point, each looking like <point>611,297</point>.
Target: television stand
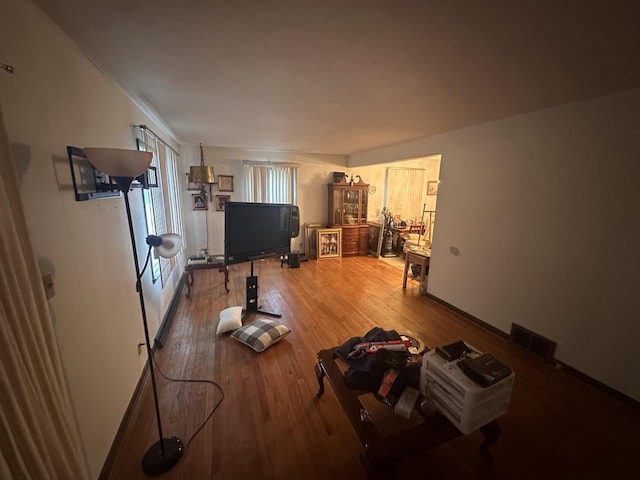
<point>252,297</point>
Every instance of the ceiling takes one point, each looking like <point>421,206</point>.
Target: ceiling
<point>343,76</point>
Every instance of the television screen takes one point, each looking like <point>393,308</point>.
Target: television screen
<point>256,230</point>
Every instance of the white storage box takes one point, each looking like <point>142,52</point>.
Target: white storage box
<point>466,404</point>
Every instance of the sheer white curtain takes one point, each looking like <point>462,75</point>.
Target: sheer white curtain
<point>404,192</point>
<point>271,182</point>
<point>162,204</point>
<point>39,436</point>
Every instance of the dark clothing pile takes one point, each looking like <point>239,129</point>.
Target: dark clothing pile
<point>366,372</point>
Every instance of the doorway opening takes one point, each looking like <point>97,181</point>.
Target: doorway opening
<point>409,203</point>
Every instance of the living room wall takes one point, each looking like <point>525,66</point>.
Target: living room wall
<point>314,173</point>
<point>58,97</point>
<point>538,222</point>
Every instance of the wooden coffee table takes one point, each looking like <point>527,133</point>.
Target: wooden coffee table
<point>382,450</point>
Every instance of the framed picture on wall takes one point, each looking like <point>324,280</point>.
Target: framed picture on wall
<point>220,201</point>
<point>432,188</point>
<point>225,183</point>
<point>374,238</point>
<point>199,202</point>
<point>193,185</point>
<point>329,242</point>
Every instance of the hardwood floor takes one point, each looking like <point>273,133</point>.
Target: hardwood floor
<point>270,425</point>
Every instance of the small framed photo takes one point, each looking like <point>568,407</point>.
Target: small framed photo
<point>329,242</point>
<point>432,188</point>
<point>225,183</point>
<point>199,202</point>
<point>220,202</point>
<point>192,185</point>
<point>374,238</point>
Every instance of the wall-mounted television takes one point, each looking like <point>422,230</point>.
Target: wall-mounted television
<point>257,230</point>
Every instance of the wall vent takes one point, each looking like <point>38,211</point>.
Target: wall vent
<point>536,344</point>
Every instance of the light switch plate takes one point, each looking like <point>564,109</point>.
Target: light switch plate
<point>47,281</point>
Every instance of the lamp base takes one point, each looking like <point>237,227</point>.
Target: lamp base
<point>155,462</point>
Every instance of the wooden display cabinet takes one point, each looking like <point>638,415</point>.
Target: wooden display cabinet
<point>348,202</point>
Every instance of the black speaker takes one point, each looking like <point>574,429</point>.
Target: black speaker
<point>294,260</point>
<point>295,221</point>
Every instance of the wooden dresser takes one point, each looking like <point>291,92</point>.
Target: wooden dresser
<point>354,240</point>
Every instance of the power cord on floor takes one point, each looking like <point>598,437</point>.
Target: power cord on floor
<point>196,380</point>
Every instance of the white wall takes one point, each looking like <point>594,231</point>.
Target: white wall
<point>545,211</point>
<point>55,98</point>
<point>315,172</point>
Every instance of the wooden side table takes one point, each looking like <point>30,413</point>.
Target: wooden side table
<point>417,258</point>
<point>197,262</point>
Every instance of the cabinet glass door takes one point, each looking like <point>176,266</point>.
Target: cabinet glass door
<point>363,210</point>
<point>351,206</point>
<point>337,207</point>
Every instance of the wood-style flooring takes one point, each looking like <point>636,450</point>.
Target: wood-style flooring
<point>270,424</point>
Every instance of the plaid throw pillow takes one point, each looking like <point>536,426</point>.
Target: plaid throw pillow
<point>261,334</point>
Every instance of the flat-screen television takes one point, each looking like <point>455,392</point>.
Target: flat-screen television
<point>256,230</point>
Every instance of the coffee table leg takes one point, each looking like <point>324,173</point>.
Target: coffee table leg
<point>491,432</point>
<point>375,471</point>
<point>320,375</point>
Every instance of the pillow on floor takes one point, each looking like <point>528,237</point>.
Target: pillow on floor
<point>261,334</point>
<point>230,319</point>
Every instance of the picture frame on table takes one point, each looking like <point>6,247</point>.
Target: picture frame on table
<point>311,239</point>
<point>199,202</point>
<point>225,183</point>
<point>221,200</point>
<point>432,188</point>
<point>374,238</point>
<point>329,243</point>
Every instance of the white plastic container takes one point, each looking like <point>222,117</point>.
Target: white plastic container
<point>466,404</point>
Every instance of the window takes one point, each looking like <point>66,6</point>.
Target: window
<point>271,182</point>
<point>161,204</point>
<point>404,192</point>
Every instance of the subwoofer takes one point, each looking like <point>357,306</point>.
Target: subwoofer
<point>295,221</point>
<point>294,260</point>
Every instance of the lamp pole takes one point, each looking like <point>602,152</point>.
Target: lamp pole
<point>166,452</point>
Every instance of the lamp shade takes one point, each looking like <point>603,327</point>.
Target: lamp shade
<point>166,245</point>
<point>202,174</point>
<point>119,162</point>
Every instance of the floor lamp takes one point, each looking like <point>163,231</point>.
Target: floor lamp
<point>123,166</point>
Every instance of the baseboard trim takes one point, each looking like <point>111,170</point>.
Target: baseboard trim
<point>159,340</point>
<point>167,320</point>
<point>109,462</point>
<point>627,400</point>
<point>468,316</point>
